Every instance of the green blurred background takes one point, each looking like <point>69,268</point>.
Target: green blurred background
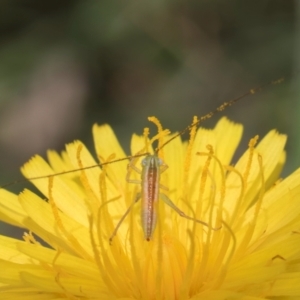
<point>65,65</point>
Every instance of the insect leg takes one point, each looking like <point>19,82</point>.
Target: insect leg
<point>163,167</point>
<point>135,168</point>
<point>169,202</point>
<point>132,166</point>
<point>137,198</point>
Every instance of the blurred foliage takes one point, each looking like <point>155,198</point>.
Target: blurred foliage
<point>65,65</point>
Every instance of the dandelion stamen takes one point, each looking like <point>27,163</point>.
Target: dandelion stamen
<point>91,196</point>
<point>203,182</point>
<point>160,135</point>
<point>251,145</point>
<point>188,159</point>
<point>227,257</point>
<point>29,238</point>
<point>190,268</point>
<point>234,219</point>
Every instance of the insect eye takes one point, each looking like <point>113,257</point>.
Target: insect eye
<point>160,161</point>
<point>143,162</point>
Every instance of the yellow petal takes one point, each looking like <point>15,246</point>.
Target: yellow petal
<point>11,211</point>
<point>66,198</point>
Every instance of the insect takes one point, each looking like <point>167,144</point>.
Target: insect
<point>152,167</point>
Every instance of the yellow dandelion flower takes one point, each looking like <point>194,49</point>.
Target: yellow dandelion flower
<point>254,255</point>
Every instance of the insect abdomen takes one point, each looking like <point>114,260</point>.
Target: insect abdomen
<point>150,194</point>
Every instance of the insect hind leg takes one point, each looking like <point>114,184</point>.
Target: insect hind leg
<point>137,198</point>
<point>169,202</point>
<point>132,166</point>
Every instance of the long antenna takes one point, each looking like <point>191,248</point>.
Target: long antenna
<point>221,108</point>
<point>202,119</point>
<point>69,171</point>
